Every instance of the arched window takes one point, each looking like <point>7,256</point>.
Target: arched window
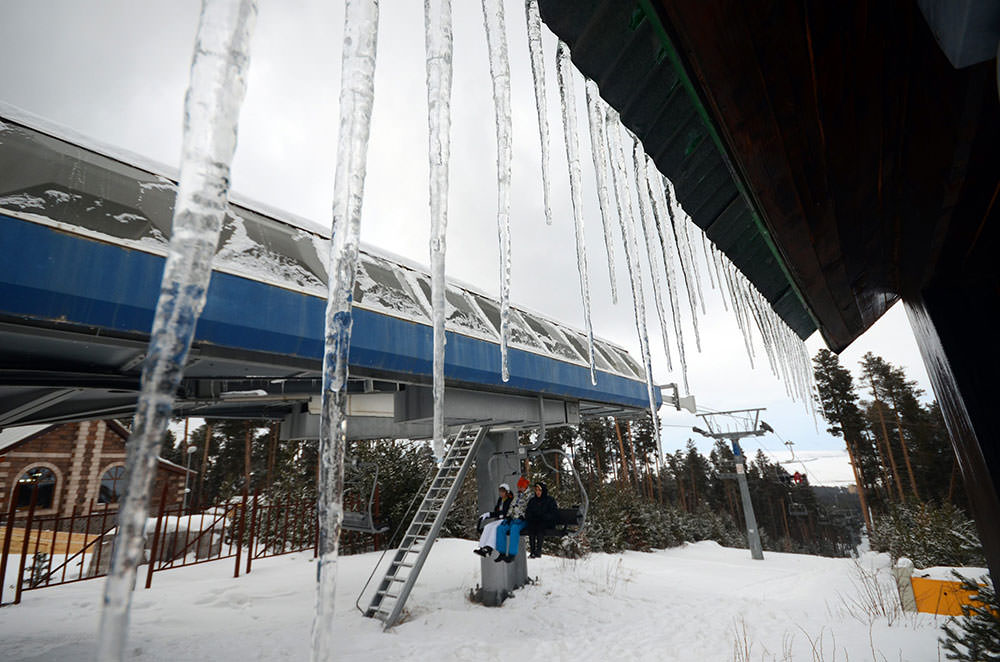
<point>42,479</point>
<point>112,483</point>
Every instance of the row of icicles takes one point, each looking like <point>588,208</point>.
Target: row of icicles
<point>626,176</point>
<point>215,94</point>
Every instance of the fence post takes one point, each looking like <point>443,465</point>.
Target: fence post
<point>253,529</point>
<point>24,544</point>
<point>239,538</point>
<point>8,534</point>
<point>156,537</point>
<point>69,540</point>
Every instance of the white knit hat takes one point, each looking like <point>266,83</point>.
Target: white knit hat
<point>504,486</point>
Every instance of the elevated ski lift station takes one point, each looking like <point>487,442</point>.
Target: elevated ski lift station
<point>84,233</point>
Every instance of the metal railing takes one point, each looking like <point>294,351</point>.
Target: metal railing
<point>53,550</point>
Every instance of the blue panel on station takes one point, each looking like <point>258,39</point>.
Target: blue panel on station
<point>59,277</point>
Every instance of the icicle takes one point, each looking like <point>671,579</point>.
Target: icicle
<point>211,114</point>
<point>655,189</point>
<point>682,256</point>
<point>357,92</point>
<point>564,74</point>
<point>645,211</point>
<point>738,313</point>
<point>632,264</point>
<point>496,41</point>
<point>704,252</point>
<point>714,264</point>
<point>686,228</point>
<point>438,49</point>
<point>599,151</point>
<point>534,22</point>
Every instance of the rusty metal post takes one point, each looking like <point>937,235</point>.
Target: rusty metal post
<point>86,536</point>
<point>100,545</point>
<point>239,537</point>
<point>8,534</point>
<point>156,537</point>
<point>69,540</point>
<point>253,530</point>
<point>204,464</point>
<point>24,543</point>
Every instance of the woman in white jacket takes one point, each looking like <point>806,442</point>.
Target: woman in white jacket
<point>489,534</point>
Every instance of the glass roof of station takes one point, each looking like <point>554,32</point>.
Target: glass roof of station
<point>112,200</point>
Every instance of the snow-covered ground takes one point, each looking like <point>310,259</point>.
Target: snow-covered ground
<point>696,602</point>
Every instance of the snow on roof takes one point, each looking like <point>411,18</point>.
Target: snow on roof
<point>11,436</point>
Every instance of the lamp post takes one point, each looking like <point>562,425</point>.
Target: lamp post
<point>187,473</point>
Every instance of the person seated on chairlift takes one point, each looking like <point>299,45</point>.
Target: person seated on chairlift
<point>509,532</point>
<point>540,514</point>
<point>489,533</point>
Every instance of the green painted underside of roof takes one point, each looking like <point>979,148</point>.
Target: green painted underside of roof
<point>623,47</point>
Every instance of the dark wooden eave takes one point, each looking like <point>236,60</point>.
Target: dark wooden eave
<point>870,159</point>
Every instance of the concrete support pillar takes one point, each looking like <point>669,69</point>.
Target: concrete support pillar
<point>497,462</point>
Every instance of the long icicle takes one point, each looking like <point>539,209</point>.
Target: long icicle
<point>645,212</point>
<point>564,74</point>
<point>211,115</point>
<point>714,264</point>
<point>357,93</point>
<point>599,151</point>
<point>438,48</point>
<point>683,257</point>
<point>632,257</point>
<point>686,225</point>
<point>536,54</point>
<point>496,41</point>
<point>734,300</point>
<point>654,185</point>
<point>708,263</point>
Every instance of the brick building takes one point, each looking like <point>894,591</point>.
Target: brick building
<point>74,465</point>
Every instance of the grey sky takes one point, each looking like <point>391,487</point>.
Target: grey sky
<point>117,70</point>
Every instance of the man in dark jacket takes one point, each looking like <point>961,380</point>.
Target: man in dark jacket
<point>541,513</point>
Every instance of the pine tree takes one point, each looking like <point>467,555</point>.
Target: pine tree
<point>839,403</point>
<point>975,635</point>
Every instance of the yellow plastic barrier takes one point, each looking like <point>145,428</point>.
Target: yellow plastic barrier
<point>940,596</point>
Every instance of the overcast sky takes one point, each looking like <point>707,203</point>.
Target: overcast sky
<point>116,70</point>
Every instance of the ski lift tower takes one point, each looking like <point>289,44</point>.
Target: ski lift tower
<point>732,426</point>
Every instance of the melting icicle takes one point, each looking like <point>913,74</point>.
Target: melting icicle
<point>738,313</point>
<point>714,264</point>
<point>599,151</point>
<point>496,41</point>
<point>438,48</point>
<point>704,252</point>
<point>686,225</point>
<point>682,256</point>
<point>357,92</point>
<point>534,22</point>
<point>632,264</point>
<point>564,74</point>
<point>655,189</point>
<point>645,211</point>
<point>211,115</point>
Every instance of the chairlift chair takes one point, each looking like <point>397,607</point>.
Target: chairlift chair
<point>796,509</point>
<point>362,521</point>
<point>571,521</point>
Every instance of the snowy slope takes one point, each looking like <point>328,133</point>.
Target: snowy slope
<point>689,603</point>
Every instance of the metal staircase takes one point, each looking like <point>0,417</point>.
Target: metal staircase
<point>395,587</point>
